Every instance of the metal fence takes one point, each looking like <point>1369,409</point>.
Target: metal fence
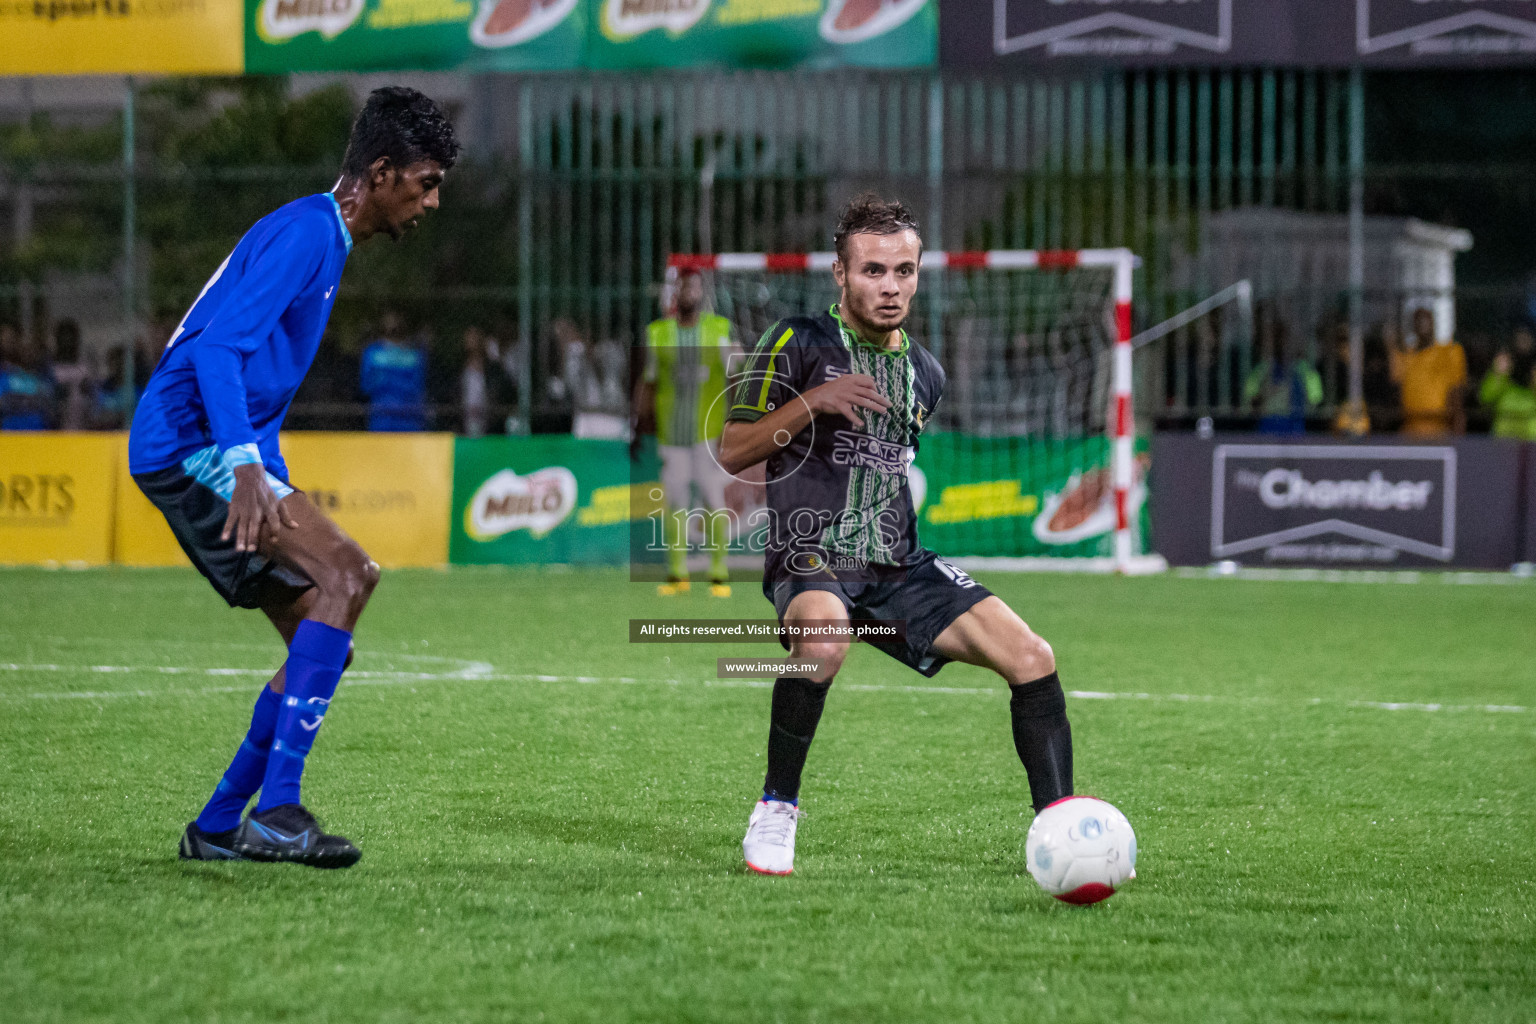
<point>554,233</point>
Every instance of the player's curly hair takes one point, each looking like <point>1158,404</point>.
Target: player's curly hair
<point>870,213</point>
<point>403,125</point>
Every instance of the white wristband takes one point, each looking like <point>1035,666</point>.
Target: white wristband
<point>242,455</point>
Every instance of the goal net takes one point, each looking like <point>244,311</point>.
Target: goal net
<point>1029,460</point>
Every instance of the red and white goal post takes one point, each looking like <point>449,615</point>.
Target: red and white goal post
<point>1037,344</point>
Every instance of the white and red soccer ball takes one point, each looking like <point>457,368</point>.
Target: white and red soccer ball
<point>1081,849</point>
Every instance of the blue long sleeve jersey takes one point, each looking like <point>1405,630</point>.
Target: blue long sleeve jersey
<point>235,362</point>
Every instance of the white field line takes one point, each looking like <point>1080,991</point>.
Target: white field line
<point>1489,578</point>
<point>471,670</point>
<point>479,671</point>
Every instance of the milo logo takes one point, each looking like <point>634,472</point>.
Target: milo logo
<point>538,503</point>
<point>284,19</point>
<point>624,18</point>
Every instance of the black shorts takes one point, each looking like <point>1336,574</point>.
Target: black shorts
<point>928,596</point>
<point>196,508</point>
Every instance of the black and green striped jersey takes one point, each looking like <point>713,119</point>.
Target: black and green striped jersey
<point>837,493</point>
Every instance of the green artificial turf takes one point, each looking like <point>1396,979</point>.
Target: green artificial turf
<point>569,850</point>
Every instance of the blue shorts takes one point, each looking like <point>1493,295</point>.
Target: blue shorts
<point>194,497</point>
<point>927,596</point>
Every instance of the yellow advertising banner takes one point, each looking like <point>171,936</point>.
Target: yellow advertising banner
<point>56,498</point>
<point>140,536</point>
<point>73,37</point>
<point>390,492</point>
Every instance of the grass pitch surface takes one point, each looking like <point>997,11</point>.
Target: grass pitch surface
<point>569,850</point>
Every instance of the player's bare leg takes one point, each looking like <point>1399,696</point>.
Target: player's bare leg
<point>769,846</point>
<point>993,636</point>
<point>318,628</point>
<point>344,575</point>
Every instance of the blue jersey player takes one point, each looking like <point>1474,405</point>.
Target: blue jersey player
<point>204,449</point>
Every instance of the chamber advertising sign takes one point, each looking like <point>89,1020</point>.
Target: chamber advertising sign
<point>1419,32</point>
<point>1325,503</point>
<point>1337,503</point>
<point>1112,28</point>
<point>998,34</point>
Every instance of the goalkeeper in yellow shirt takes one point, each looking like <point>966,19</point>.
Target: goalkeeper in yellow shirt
<point>682,390</point>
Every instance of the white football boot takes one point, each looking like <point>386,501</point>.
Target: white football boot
<point>770,843</point>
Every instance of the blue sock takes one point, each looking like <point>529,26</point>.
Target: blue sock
<point>795,800</point>
<point>243,776</point>
<point>315,661</point>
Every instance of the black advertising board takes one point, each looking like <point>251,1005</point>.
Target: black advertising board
<point>1371,504</point>
<point>986,35</point>
<point>1528,540</point>
<point>1429,33</point>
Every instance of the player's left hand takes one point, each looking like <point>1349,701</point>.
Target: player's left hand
<point>254,509</point>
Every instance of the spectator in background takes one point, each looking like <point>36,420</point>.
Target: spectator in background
<point>1508,390</point>
<point>512,357</point>
<point>1282,387</point>
<point>109,407</point>
<point>1381,395</point>
<point>484,389</point>
<point>1432,374</point>
<point>564,366</point>
<point>26,398</point>
<point>610,365</point>
<point>576,370</point>
<point>74,384</point>
<point>148,349</point>
<point>1376,387</point>
<point>394,380</point>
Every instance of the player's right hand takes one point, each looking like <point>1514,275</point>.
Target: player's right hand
<point>847,394</point>
<point>253,509</point>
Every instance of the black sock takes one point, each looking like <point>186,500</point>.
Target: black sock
<point>1043,738</point>
<point>797,704</point>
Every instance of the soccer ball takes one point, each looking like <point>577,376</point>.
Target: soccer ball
<point>1081,849</point>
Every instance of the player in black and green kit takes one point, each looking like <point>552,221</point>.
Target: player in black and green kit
<point>835,402</point>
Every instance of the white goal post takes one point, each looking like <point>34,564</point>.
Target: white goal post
<point>1038,360</point>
